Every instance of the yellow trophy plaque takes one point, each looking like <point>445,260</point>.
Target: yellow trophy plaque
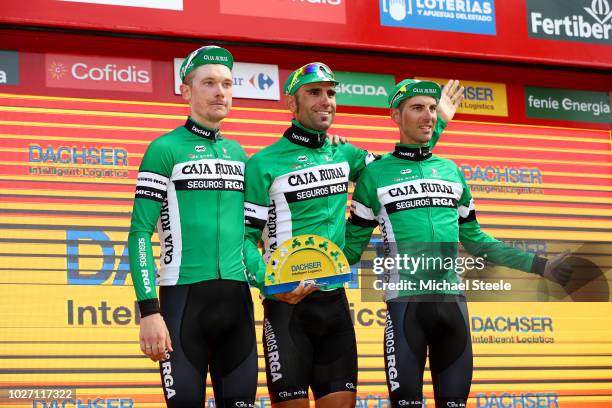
<point>309,258</point>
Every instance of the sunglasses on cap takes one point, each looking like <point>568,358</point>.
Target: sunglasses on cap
<point>312,68</point>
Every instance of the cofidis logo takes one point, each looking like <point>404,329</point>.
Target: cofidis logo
<point>464,16</point>
<point>99,73</point>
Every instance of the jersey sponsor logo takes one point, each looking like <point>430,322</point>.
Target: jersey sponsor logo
<point>255,215</point>
<point>244,404</point>
<point>406,171</point>
<point>414,203</point>
<point>210,184</point>
<point>146,178</point>
<point>272,228</point>
<point>316,176</point>
<point>167,378</point>
<point>420,193</point>
<point>202,132</point>
<point>316,192</point>
<point>390,355</point>
<point>405,153</point>
<point>302,158</point>
<point>167,250</point>
<point>411,189</point>
<point>311,177</point>
<point>292,394</point>
<point>150,193</point>
<point>200,149</point>
<point>142,261</point>
<point>164,217</point>
<point>300,138</point>
<point>203,168</point>
<point>271,350</point>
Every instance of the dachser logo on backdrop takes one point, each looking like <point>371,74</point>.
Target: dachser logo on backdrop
<point>576,20</point>
<point>99,73</point>
<point>464,16</point>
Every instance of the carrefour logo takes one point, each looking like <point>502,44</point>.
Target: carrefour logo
<point>578,20</point>
<point>261,81</point>
<point>475,16</point>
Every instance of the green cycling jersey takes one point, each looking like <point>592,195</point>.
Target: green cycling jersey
<point>419,199</point>
<point>191,186</point>
<point>299,185</point>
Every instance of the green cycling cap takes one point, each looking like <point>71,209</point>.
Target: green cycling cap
<point>309,73</point>
<point>413,87</point>
<point>210,54</point>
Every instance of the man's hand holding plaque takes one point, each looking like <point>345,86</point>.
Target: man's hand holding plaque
<point>301,265</point>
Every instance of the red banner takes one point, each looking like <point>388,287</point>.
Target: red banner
<point>484,29</point>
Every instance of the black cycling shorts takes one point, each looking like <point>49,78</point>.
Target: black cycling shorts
<point>211,326</point>
<point>425,324</point>
<point>311,344</point>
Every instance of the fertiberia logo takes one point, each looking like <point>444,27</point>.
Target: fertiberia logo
<point>576,20</point>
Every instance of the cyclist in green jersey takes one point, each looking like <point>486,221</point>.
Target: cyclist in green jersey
<point>422,203</point>
<point>299,185</point>
<point>191,186</point>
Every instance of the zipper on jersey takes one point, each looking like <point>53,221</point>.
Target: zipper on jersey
<point>214,145</point>
<point>433,233</point>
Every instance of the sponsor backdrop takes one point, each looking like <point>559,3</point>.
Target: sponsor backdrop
<point>251,81</point>
<point>69,155</point>
<point>519,30</point>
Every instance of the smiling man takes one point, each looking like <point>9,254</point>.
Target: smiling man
<point>296,186</point>
<point>190,184</point>
<point>424,208</point>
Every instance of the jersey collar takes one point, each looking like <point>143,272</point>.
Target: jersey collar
<point>412,152</point>
<point>202,131</point>
<point>298,134</point>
